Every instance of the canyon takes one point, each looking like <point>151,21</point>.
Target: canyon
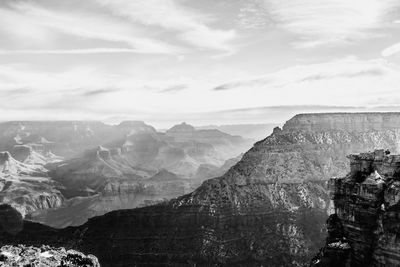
<point>269,209</point>
<point>62,173</point>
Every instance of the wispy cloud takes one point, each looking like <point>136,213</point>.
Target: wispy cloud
<point>391,50</point>
<point>332,22</point>
<point>30,19</point>
<point>142,26</point>
<point>174,88</point>
<point>191,26</point>
<point>99,92</point>
<point>348,68</point>
<point>70,51</point>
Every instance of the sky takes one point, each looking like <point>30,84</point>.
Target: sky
<point>199,61</point>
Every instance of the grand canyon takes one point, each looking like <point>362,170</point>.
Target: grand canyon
<point>269,208</point>
<point>213,133</point>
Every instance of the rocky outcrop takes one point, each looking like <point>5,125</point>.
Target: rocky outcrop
<point>44,256</point>
<point>363,230</point>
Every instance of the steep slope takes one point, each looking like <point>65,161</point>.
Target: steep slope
<point>269,209</point>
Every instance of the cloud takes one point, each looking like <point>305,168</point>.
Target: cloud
<point>348,84</point>
<point>98,92</point>
<point>391,50</point>
<point>30,21</point>
<point>191,26</point>
<point>174,88</point>
<point>348,68</point>
<point>333,22</point>
<point>70,51</point>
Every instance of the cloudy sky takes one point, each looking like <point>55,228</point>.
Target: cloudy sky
<point>202,61</point>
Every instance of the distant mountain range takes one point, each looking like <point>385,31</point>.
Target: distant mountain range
<point>64,172</point>
<point>252,131</point>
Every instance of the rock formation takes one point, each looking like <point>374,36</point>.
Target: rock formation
<point>44,256</point>
<point>363,230</point>
<point>101,182</point>
<point>26,187</point>
<point>106,167</point>
<point>269,209</point>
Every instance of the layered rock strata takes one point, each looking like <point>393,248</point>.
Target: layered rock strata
<point>364,228</point>
<point>26,187</point>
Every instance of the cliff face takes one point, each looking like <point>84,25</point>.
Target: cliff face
<point>363,231</point>
<point>268,209</point>
<point>350,122</point>
<point>314,147</point>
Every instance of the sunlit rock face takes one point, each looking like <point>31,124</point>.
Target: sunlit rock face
<point>27,187</point>
<point>269,209</point>
<point>363,231</point>
<point>44,256</point>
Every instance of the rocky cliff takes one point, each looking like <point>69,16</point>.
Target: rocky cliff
<point>363,230</point>
<point>269,209</point>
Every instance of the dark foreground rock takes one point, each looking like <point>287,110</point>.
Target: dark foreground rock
<point>364,230</point>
